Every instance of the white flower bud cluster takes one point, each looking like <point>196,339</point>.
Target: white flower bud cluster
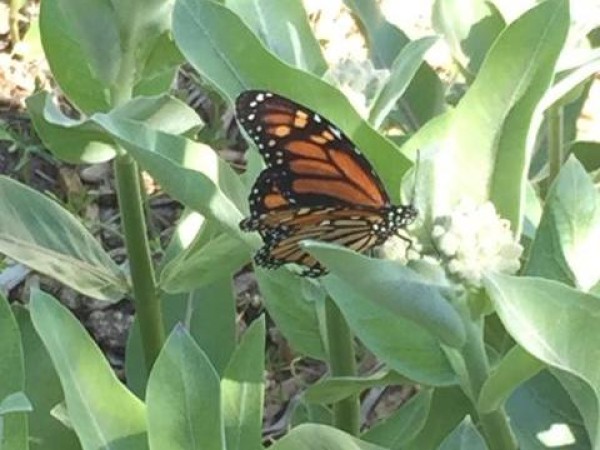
<point>474,240</point>
<point>398,249</point>
<point>359,81</point>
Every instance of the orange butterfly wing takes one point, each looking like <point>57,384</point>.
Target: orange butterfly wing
<point>320,166</point>
<point>317,185</point>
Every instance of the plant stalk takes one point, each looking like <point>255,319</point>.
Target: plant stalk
<point>342,363</point>
<point>13,22</point>
<point>556,154</point>
<point>147,302</point>
<point>494,425</point>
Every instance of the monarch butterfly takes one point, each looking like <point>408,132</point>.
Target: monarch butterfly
<point>317,185</point>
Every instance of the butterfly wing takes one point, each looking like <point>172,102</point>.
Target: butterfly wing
<point>317,185</point>
<point>319,165</point>
<point>347,226</point>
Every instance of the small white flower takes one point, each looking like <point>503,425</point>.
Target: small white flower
<point>473,240</point>
<point>358,80</point>
<point>397,249</point>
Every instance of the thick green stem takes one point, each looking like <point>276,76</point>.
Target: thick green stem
<point>342,363</point>
<point>494,425</point>
<point>13,22</point>
<point>555,142</point>
<point>147,302</point>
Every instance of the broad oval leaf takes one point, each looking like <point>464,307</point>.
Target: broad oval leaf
<point>207,259</point>
<point>491,131</point>
<point>529,308</point>
<point>516,367</point>
<point>448,408</point>
<point>569,228</point>
<point>119,47</point>
<point>43,389</point>
<point>183,398</point>
<point>402,72</point>
<point>464,437</point>
<point>284,29</point>
<point>403,425</point>
<point>40,234</point>
<point>398,289</point>
<point>242,390</point>
<point>543,416</point>
<point>189,171</point>
<point>402,344</point>
<point>334,389</point>
<point>13,419</point>
<point>102,411</point>
<point>323,437</point>
<point>294,315</point>
<point>83,141</point>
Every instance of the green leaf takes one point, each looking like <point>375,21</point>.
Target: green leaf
<point>569,227</point>
<point>401,73</point>
<point>211,255</point>
<point>15,402</point>
<point>295,316</point>
<point>84,141</point>
<point>160,112</point>
<point>40,234</point>
<point>571,81</point>
<point>13,423</point>
<point>183,398</point>
<point>303,412</point>
<point>464,437</point>
<point>70,140</point>
<point>574,389</point>
<point>516,367</point>
<point>334,389</point>
<point>102,411</point>
<point>242,390</point>
<point>424,97</point>
<point>528,308</point>
<point>92,25</point>
<point>322,437</point>
<point>587,153</point>
<point>43,389</point>
<point>210,314</point>
<point>224,51</point>
<point>283,28</point>
<point>403,425</point>
<point>399,342</point>
<point>69,61</point>
<point>190,172</point>
<point>543,416</point>
<point>469,27</point>
<point>396,289</point>
<point>110,45</point>
<point>448,408</point>
<point>490,133</point>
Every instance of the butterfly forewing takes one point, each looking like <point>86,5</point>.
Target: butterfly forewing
<point>323,165</point>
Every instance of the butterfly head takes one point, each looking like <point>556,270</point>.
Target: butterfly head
<point>402,216</point>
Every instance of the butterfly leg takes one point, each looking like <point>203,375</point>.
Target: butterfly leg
<point>314,271</point>
<point>263,257</point>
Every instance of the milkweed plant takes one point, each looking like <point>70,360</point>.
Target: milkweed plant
<point>490,316</point>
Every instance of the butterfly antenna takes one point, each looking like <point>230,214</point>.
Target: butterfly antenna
<point>413,195</point>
